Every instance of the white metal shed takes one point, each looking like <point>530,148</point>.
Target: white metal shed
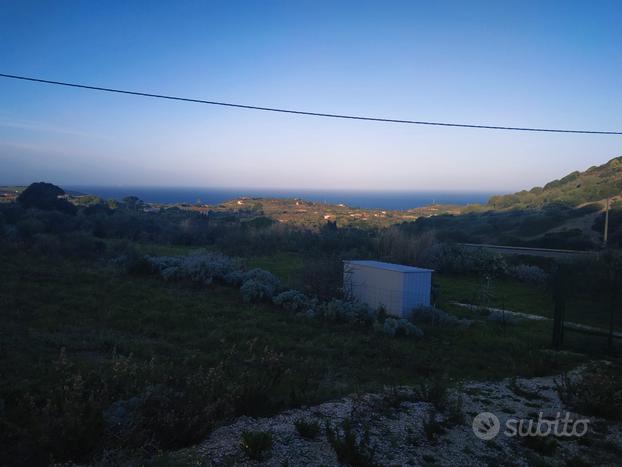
<point>397,288</point>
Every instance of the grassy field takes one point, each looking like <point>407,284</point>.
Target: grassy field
<point>526,298</point>
<point>91,310</point>
<point>286,266</point>
<point>93,315</point>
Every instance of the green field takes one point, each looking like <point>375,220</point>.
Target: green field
<point>120,335</point>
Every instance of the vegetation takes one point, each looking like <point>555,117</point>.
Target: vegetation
<point>126,333</point>
<point>597,391</point>
<point>576,188</point>
<point>308,429</point>
<point>256,444</point>
<point>351,450</point>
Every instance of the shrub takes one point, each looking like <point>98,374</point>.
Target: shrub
<point>64,423</point>
<point>322,277</point>
<point>48,245</point>
<point>256,444</point>
<point>345,311</point>
<point>256,380</point>
<point>530,274</point>
<point>596,391</point>
<point>292,300</point>
<point>29,227</point>
<point>234,278</point>
<point>434,317</point>
<point>455,411</point>
<point>457,259</point>
<point>398,327</point>
<point>200,267</point>
<point>82,245</point>
<point>253,291</point>
<point>432,427</point>
<point>263,277</point>
<point>309,429</point>
<point>433,391</point>
<point>351,450</point>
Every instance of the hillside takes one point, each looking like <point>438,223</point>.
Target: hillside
<point>576,188</point>
<point>565,213</point>
<point>313,214</point>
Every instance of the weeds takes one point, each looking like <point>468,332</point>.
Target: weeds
<point>308,429</point>
<point>350,450</point>
<point>597,391</point>
<point>433,391</point>
<point>432,427</point>
<point>454,411</point>
<point>256,444</point>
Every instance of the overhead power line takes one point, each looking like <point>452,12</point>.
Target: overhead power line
<point>313,114</point>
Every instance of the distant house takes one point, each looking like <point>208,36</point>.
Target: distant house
<point>397,288</point>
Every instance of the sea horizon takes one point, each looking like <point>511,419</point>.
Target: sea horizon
<point>367,199</point>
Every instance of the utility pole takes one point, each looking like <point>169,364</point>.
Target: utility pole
<point>606,233</point>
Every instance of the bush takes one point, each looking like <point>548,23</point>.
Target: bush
<point>398,327</point>
<point>351,450</point>
<point>64,424</point>
<point>433,391</point>
<point>29,227</point>
<point>256,444</point>
<point>342,311</point>
<point>174,416</point>
<point>432,427</point>
<point>292,300</point>
<point>48,245</point>
<point>234,278</point>
<point>261,276</point>
<point>435,317</point>
<point>253,291</point>
<point>256,381</point>
<point>596,391</point>
<point>308,429</point>
<point>529,274</point>
<point>199,267</point>
<point>322,277</point>
<point>464,260</point>
<point>82,245</point>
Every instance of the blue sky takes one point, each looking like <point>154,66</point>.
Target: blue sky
<point>545,64</point>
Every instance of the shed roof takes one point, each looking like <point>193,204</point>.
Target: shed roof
<point>388,266</point>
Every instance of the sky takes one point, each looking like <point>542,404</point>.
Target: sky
<point>515,63</point>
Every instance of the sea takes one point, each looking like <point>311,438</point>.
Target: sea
<point>388,200</point>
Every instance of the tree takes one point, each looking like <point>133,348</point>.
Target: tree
<point>133,203</point>
<point>47,197</point>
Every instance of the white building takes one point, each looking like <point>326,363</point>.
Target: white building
<point>397,288</point>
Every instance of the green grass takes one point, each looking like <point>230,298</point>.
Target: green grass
<point>91,310</point>
<point>508,294</point>
<point>96,314</point>
<point>526,298</point>
<point>155,249</point>
<point>285,266</point>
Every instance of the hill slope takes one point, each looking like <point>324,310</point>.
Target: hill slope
<point>576,188</point>
<point>565,213</point>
